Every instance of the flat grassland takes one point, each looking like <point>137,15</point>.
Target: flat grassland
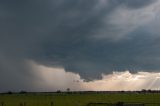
<point>64,99</point>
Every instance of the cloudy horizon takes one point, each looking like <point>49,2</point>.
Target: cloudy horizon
<point>85,45</point>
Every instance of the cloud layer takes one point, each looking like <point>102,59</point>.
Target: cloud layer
<point>84,37</point>
<point>52,79</point>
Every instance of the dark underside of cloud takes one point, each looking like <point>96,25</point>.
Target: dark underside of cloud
<point>79,36</point>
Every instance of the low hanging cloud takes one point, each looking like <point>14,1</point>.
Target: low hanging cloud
<point>89,38</point>
<point>52,79</point>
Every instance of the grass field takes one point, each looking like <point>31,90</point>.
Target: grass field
<point>41,99</point>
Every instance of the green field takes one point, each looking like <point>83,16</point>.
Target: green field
<point>41,99</point>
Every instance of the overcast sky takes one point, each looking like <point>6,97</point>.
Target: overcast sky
<point>46,45</point>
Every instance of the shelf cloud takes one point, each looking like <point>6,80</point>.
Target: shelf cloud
<point>89,40</point>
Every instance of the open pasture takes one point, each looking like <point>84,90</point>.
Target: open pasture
<point>76,99</point>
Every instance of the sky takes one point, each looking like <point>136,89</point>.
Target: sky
<point>49,45</point>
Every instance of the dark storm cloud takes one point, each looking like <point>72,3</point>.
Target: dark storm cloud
<point>133,3</point>
<point>60,34</point>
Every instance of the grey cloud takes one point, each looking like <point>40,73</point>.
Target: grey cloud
<point>59,34</point>
<point>138,4</point>
<point>133,4</point>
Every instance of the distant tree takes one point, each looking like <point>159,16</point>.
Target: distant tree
<point>149,90</point>
<point>68,89</point>
<point>9,92</point>
<point>144,90</point>
<point>58,91</point>
<point>22,92</point>
<point>122,91</point>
